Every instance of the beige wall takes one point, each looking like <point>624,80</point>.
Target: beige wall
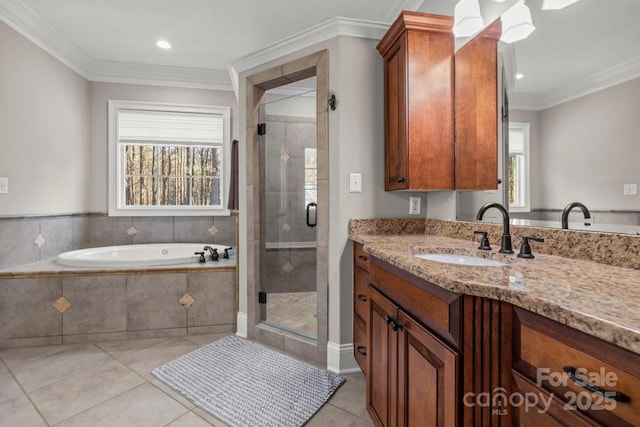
<point>586,150</point>
<point>44,124</point>
<point>54,129</point>
<point>100,93</point>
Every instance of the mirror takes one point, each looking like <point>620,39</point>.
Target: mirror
<point>580,95</point>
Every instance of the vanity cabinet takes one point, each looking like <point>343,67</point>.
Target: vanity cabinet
<point>418,102</point>
<point>546,357</point>
<point>413,369</point>
<point>412,375</point>
<point>431,355</point>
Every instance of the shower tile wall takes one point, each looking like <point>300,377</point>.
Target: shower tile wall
<point>288,270</point>
<point>29,239</point>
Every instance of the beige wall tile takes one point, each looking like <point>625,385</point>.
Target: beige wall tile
<point>152,301</point>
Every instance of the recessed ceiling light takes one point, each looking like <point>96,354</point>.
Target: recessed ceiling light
<point>519,76</point>
<point>163,44</point>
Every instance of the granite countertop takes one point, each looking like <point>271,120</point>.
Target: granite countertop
<point>600,300</point>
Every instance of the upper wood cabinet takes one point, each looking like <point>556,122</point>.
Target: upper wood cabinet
<point>418,102</point>
<point>424,149</point>
<point>476,109</point>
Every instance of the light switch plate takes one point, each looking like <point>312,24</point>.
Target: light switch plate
<point>4,185</point>
<point>630,189</point>
<point>355,183</point>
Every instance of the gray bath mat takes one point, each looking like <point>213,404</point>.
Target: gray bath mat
<point>246,384</point>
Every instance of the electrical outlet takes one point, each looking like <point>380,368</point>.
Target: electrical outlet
<point>414,205</point>
<point>4,185</point>
<point>630,190</point>
<point>355,183</point>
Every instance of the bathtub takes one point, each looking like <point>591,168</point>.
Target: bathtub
<point>152,254</point>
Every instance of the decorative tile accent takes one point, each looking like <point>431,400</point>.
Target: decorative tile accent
<point>61,305</point>
<point>40,241</point>
<point>288,268</point>
<point>187,300</point>
<point>285,157</point>
<point>212,230</point>
<point>286,227</point>
<point>132,231</point>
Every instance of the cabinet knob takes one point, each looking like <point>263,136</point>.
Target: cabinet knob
<point>362,350</point>
<point>362,298</point>
<point>401,180</point>
<point>362,258</point>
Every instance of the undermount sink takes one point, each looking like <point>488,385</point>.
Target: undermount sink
<point>461,260</point>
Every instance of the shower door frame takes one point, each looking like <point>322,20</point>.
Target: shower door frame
<point>314,64</point>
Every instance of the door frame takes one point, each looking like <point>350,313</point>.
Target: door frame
<point>314,64</point>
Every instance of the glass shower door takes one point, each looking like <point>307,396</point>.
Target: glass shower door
<point>289,212</point>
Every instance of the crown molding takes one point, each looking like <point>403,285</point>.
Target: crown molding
<point>29,24</point>
<point>326,30</point>
<point>597,82</point>
<point>158,75</point>
<point>26,22</point>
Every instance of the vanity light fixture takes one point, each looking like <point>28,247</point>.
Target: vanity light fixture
<point>467,18</point>
<point>556,4</point>
<point>516,23</point>
<point>519,76</point>
<point>163,44</point>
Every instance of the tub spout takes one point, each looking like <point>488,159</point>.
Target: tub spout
<point>215,256</point>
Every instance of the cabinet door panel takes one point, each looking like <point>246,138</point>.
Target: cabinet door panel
<point>427,378</point>
<point>381,394</point>
<point>396,145</point>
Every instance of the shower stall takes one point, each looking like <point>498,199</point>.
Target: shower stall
<point>289,208</point>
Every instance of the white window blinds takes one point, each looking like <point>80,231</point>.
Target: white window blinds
<point>170,126</point>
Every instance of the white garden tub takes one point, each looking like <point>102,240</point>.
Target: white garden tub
<point>152,254</point>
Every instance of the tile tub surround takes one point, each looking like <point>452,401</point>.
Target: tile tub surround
<point>45,303</point>
<point>33,238</point>
<point>600,300</point>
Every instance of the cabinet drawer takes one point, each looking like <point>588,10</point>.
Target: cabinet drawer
<point>434,307</point>
<point>544,409</point>
<point>361,295</point>
<point>550,354</point>
<point>360,344</point>
<point>360,256</point>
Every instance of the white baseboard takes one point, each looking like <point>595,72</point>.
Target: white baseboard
<point>340,358</point>
<point>242,325</point>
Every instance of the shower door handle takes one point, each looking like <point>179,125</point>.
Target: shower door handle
<point>312,214</point>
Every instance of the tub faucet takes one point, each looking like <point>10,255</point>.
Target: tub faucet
<point>213,251</point>
<point>506,246</point>
<point>567,209</point>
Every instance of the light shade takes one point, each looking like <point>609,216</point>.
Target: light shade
<point>556,4</point>
<point>467,18</point>
<point>516,23</point>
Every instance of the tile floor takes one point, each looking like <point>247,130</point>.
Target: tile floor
<point>110,384</point>
<point>294,311</point>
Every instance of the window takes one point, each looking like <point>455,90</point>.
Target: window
<point>519,170</point>
<point>168,159</point>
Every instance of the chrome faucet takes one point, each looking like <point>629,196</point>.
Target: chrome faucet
<point>567,209</point>
<point>506,246</point>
